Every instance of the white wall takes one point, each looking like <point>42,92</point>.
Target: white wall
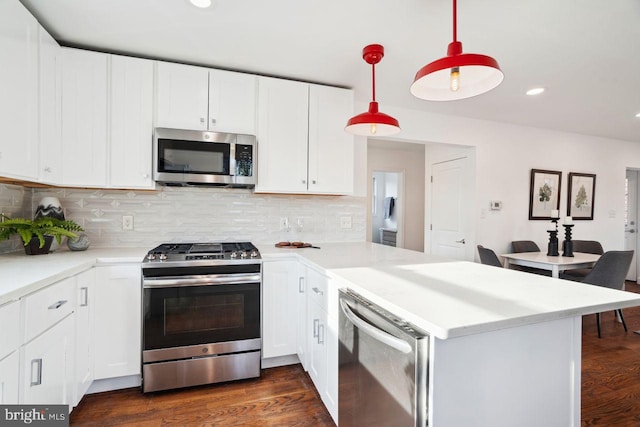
<point>505,155</point>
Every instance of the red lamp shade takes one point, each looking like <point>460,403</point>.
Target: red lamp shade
<point>372,122</point>
<point>458,75</point>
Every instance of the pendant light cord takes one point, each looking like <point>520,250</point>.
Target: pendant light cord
<point>373,81</point>
<point>455,20</point>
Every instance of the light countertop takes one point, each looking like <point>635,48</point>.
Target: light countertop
<point>444,297</point>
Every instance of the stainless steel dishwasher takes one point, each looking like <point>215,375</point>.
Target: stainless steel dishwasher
<point>383,367</point>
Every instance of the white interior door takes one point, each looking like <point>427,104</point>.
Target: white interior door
<point>631,222</point>
<point>450,202</point>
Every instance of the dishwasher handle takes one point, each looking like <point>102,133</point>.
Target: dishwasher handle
<point>374,332</point>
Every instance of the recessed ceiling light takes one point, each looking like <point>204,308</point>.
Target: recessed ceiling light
<point>535,91</point>
<point>638,115</point>
<point>201,3</point>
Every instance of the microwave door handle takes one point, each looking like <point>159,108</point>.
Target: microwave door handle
<point>232,160</point>
<point>373,332</point>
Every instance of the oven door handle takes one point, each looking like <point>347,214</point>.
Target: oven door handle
<point>200,280</point>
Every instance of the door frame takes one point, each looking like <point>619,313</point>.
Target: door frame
<point>636,206</point>
<point>399,206</point>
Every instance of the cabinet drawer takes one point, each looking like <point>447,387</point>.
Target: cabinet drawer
<point>10,335</point>
<point>45,308</point>
<point>317,288</point>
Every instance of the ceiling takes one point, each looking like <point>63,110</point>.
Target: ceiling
<point>585,52</point>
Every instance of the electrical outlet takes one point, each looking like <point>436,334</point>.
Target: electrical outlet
<point>345,222</point>
<point>127,222</point>
<point>284,223</point>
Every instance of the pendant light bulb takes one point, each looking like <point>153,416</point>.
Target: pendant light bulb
<point>455,79</point>
<point>372,122</point>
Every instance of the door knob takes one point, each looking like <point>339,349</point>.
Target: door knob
<point>632,231</point>
<point>461,241</point>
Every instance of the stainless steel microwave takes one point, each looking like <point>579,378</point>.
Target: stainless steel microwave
<point>191,157</point>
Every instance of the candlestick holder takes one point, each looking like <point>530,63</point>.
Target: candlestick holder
<point>552,247</point>
<point>567,246</point>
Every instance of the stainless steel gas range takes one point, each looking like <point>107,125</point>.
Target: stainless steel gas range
<point>201,314</point>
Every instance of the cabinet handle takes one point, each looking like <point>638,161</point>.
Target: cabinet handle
<point>37,363</point>
<point>316,327</point>
<point>57,305</point>
<point>313,182</point>
<point>84,296</point>
<point>202,120</point>
<point>47,169</point>
<point>320,334</point>
<point>304,181</point>
<point>213,121</point>
<point>318,291</point>
<point>301,285</point>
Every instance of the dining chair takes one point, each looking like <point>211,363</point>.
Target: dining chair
<point>524,246</point>
<point>488,257</point>
<point>587,247</point>
<point>609,271</point>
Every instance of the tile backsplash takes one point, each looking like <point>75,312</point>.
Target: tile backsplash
<point>171,214</point>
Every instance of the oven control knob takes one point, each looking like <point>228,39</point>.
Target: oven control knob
<point>151,257</point>
<point>243,254</point>
<point>254,254</point>
<point>234,254</point>
<point>162,257</point>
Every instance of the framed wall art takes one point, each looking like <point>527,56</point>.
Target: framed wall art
<point>581,194</point>
<point>544,193</point>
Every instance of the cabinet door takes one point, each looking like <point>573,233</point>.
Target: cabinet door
<point>117,321</point>
<point>232,102</point>
<point>182,96</point>
<point>131,122</point>
<point>10,337</point>
<point>282,136</point>
<point>46,366</point>
<point>9,379</point>
<point>279,298</point>
<point>50,141</point>
<point>19,96</point>
<point>301,314</point>
<point>84,333</point>
<point>330,147</point>
<point>317,354</point>
<point>84,118</point>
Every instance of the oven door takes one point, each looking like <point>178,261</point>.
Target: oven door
<point>207,312</point>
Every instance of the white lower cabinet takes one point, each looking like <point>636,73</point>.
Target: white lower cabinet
<point>85,282</point>
<point>279,314</point>
<point>322,335</point>
<point>117,320</point>
<point>9,379</point>
<point>47,361</point>
<point>301,316</point>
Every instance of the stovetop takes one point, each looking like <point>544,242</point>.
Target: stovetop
<point>230,252</point>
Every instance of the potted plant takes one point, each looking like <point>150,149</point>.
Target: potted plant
<point>37,235</point>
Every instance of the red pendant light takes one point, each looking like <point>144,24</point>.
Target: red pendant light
<point>458,75</point>
<point>373,122</point>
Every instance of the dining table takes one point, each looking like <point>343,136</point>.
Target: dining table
<point>555,264</point>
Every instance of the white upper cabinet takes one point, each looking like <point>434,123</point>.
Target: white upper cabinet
<point>50,109</point>
<point>190,97</point>
<point>330,147</point>
<point>283,128</point>
<point>131,112</point>
<point>182,96</point>
<point>302,145</point>
<point>19,99</point>
<point>84,118</point>
<point>232,102</point>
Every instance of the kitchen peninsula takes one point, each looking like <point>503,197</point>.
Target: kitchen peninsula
<point>505,346</point>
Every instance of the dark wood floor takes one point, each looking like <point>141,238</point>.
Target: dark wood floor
<point>286,397</point>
